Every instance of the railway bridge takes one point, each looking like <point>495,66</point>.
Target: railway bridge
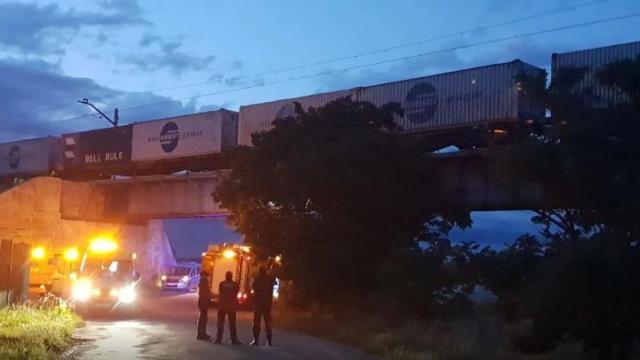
<point>470,181</point>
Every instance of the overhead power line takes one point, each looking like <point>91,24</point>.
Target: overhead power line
<point>377,63</point>
<point>403,58</point>
<point>42,108</point>
<point>395,47</point>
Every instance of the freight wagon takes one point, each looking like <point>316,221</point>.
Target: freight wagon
<point>32,157</point>
<point>488,96</point>
<point>190,142</point>
<point>97,153</point>
<point>596,94</point>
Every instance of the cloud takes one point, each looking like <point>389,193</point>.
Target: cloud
<point>416,67</point>
<point>141,106</point>
<point>34,94</point>
<point>38,100</point>
<point>148,40</point>
<point>215,78</point>
<point>49,27</point>
<point>165,55</point>
<point>531,50</point>
<point>131,7</point>
<point>237,65</point>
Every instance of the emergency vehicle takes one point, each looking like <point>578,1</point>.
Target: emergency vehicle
<point>107,277</point>
<point>51,269</point>
<point>218,259</point>
<point>242,263</point>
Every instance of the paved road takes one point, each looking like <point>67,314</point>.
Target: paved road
<point>165,329</point>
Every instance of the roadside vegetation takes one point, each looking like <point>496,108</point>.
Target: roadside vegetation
<point>481,336</point>
<point>361,216</point>
<point>35,333</point>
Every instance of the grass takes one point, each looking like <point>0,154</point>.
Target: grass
<point>475,338</point>
<point>33,333</point>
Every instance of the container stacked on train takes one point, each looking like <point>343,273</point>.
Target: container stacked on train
<point>596,94</point>
<point>29,157</point>
<point>129,148</point>
<point>482,95</point>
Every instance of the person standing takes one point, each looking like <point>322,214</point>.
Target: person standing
<point>227,304</point>
<point>204,300</point>
<point>263,299</point>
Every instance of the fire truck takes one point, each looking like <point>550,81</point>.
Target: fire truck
<point>218,259</point>
<point>51,270</point>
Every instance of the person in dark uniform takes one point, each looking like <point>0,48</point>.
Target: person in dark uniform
<point>262,301</point>
<point>204,300</point>
<point>227,304</point>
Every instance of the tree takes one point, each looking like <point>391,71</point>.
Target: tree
<point>584,289</point>
<point>508,273</point>
<point>336,191</point>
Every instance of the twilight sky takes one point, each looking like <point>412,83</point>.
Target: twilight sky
<point>130,53</point>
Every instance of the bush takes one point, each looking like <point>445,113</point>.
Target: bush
<point>476,337</point>
<point>33,333</point>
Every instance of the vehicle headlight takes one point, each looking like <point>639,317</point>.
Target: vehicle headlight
<point>81,290</point>
<point>127,295</point>
<point>114,292</point>
<point>163,277</point>
<point>185,278</point>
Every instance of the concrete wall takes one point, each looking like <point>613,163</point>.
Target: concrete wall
<point>30,213</point>
<point>137,200</point>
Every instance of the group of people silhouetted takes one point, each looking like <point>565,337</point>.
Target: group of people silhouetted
<point>228,304</point>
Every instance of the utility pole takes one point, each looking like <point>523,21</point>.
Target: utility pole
<point>113,122</point>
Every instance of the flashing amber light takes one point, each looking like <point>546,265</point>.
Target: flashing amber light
<point>72,254</point>
<point>228,254</point>
<point>38,253</point>
<point>103,245</point>
<point>278,259</point>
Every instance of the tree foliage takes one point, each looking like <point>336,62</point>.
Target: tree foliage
<point>582,287</point>
<point>336,191</point>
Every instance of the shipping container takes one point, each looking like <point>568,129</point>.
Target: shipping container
<point>259,117</point>
<point>183,136</point>
<point>101,149</point>
<point>29,157</point>
<point>597,95</point>
<point>482,95</point>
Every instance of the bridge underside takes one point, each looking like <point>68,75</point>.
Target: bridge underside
<point>471,183</point>
<point>139,199</point>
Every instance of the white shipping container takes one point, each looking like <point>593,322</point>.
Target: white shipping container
<point>596,94</point>
<point>457,99</point>
<point>33,157</point>
<point>177,137</point>
<point>259,117</point>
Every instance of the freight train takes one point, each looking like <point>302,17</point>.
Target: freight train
<point>450,107</point>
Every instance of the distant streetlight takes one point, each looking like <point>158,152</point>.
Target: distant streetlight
<point>113,122</point>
